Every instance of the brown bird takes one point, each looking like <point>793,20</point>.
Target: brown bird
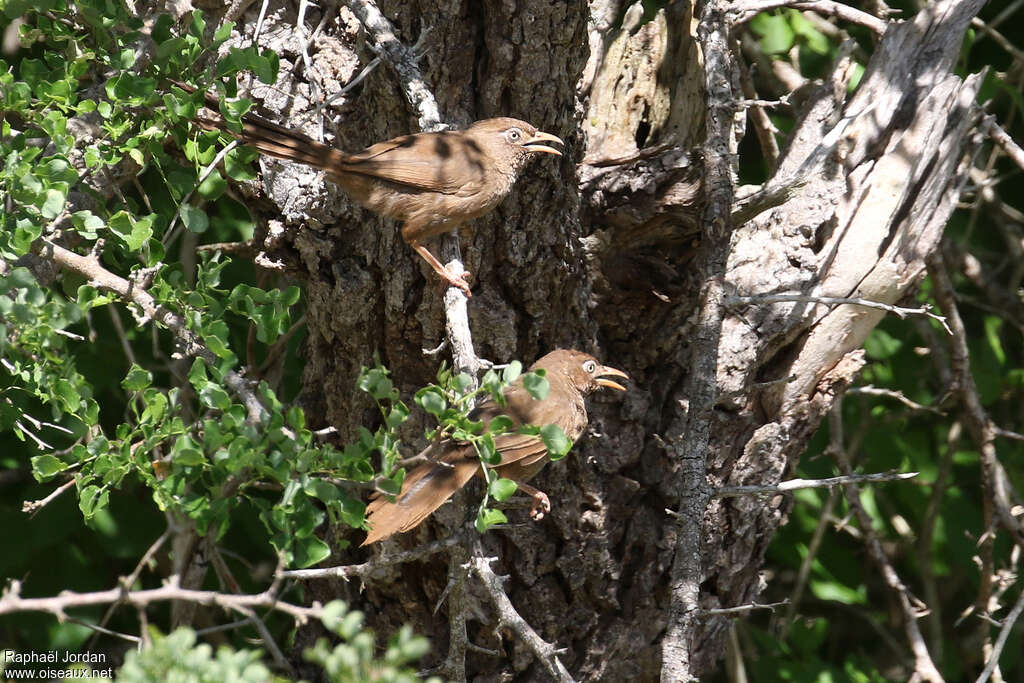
<point>571,375</point>
<point>432,181</point>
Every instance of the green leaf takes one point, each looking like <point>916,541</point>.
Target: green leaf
<point>134,232</point>
<point>555,440</point>
<point>500,424</point>
<point>322,490</point>
<point>512,372</point>
<point>214,396</point>
<point>213,187</point>
<point>487,450</point>
<point>195,219</point>
<point>397,415</point>
<point>223,33</point>
<point>92,499</point>
<point>814,39</point>
<point>238,163</point>
<point>488,517</point>
<point>432,400</point>
<point>463,382</point>
<point>309,551</point>
<point>186,453</point>
<point>375,382</point>
<point>137,379</point>
<point>333,613</point>
<point>198,27</point>
<point>265,67</point>
<point>46,466</point>
<point>68,394</point>
<point>53,204</point>
<point>502,489</point>
<point>536,384</point>
<point>776,34</point>
<point>834,591</point>
<point>86,224</point>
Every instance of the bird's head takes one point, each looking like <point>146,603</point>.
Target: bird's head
<point>512,139</point>
<point>584,372</point>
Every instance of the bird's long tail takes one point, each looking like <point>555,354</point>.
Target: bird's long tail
<point>424,490</point>
<point>273,139</point>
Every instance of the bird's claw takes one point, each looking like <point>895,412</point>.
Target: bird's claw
<point>541,506</point>
<point>459,281</point>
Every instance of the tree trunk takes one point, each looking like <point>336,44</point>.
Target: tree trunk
<point>596,251</point>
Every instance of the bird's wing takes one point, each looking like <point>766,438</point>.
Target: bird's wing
<point>520,450</point>
<point>429,162</point>
<point>424,490</point>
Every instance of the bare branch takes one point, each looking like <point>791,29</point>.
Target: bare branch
<point>508,617</point>
<point>400,58</point>
<point>690,434</point>
<point>11,601</point>
<point>370,566</point>
<point>1005,142</point>
<point>794,484</point>
<point>747,10</point>
<point>456,313</point>
<point>869,390</point>
<point>742,609</point>
<point>912,608</point>
<point>1004,634</point>
<point>191,344</point>
<point>838,300</point>
<point>34,506</point>
<point>996,482</point>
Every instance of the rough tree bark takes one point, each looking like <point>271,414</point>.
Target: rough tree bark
<point>597,252</point>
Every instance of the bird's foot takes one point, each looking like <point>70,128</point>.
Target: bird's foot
<point>541,506</point>
<point>459,281</point>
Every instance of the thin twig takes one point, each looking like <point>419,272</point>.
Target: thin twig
<point>1001,138</point>
<point>190,343</point>
<point>839,300</point>
<point>32,507</point>
<point>171,235</point>
<point>742,609</point>
<point>747,10</point>
<point>11,601</point>
<point>1004,634</point>
<point>367,568</point>
<point>130,580</point>
<point>509,618</point>
<point>400,58</point>
<point>869,390</point>
<point>912,608</point>
<point>794,484</point>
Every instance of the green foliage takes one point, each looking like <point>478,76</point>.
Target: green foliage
<point>780,31</point>
<point>355,658</point>
<point>178,656</point>
<point>448,402</point>
<point>179,431</point>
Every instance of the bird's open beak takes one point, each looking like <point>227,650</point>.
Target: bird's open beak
<point>533,144</point>
<point>606,370</point>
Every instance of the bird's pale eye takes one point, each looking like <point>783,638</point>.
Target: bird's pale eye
<point>514,135</point>
<point>590,367</point>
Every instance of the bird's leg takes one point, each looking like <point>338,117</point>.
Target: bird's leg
<point>541,504</point>
<point>454,280</point>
